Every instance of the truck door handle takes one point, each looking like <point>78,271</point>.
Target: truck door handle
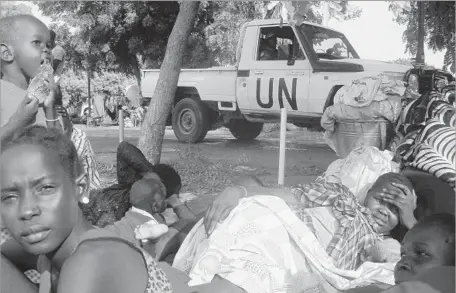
<point>259,71</point>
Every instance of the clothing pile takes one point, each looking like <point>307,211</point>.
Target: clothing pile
<point>366,164</point>
<point>425,137</point>
<point>363,114</point>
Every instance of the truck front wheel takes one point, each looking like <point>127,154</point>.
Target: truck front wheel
<point>245,130</point>
<point>190,120</point>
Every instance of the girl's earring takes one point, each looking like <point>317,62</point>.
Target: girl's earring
<point>85,199</point>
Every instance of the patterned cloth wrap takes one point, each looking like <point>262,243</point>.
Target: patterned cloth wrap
<point>355,233</point>
<point>86,156</point>
<point>425,137</point>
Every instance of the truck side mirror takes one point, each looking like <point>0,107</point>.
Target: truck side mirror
<point>291,57</point>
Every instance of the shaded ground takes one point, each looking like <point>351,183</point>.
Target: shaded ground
<point>208,167</point>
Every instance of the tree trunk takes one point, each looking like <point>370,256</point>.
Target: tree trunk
<point>89,96</point>
<point>135,65</point>
<point>153,128</point>
<point>420,49</point>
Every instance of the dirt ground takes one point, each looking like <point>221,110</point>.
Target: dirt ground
<point>206,168</point>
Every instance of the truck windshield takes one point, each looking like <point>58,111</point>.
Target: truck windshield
<point>328,44</point>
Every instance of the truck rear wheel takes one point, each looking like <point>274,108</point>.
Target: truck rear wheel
<point>245,130</point>
<point>190,120</point>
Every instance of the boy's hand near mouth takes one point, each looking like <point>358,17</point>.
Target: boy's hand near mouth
<point>40,85</point>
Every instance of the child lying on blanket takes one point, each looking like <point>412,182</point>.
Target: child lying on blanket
<point>429,246</point>
<point>350,227</point>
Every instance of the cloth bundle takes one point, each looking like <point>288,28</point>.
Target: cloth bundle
<point>361,114</point>
<point>366,164</point>
<point>262,246</point>
<point>364,91</point>
<point>425,137</point>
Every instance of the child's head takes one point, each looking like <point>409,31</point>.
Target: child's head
<point>430,243</point>
<point>148,194</point>
<point>25,44</point>
<point>41,183</point>
<point>170,178</point>
<point>385,214</point>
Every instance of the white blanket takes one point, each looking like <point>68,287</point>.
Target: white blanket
<point>263,247</point>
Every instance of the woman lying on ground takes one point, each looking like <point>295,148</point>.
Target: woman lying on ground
<point>110,204</point>
<point>274,230</point>
<point>42,184</point>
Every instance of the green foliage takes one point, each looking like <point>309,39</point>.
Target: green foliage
<point>341,10</point>
<point>121,36</point>
<point>222,35</point>
<point>126,36</point>
<point>74,85</point>
<point>403,61</point>
<point>9,8</point>
<point>439,26</point>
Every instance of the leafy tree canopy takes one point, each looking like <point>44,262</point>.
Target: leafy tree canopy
<point>9,8</point>
<point>439,26</point>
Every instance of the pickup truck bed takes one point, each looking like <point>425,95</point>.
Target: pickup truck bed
<point>223,77</point>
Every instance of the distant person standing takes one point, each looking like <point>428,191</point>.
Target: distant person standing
<point>58,55</point>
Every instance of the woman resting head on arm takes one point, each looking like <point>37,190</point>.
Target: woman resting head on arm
<point>41,184</point>
<point>391,200</point>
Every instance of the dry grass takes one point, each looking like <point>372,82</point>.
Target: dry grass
<point>202,175</point>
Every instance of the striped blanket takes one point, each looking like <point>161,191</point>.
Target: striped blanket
<point>425,137</point>
<point>355,230</point>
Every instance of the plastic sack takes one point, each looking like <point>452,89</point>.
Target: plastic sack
<point>364,91</point>
<point>389,109</point>
<point>365,165</point>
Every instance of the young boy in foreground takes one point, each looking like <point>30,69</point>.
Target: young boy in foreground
<point>24,44</point>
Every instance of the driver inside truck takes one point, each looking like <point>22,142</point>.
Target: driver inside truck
<point>268,47</point>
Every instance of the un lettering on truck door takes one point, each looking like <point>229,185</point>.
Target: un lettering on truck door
<point>277,93</point>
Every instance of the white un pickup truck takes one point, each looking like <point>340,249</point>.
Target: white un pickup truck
<point>297,67</point>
